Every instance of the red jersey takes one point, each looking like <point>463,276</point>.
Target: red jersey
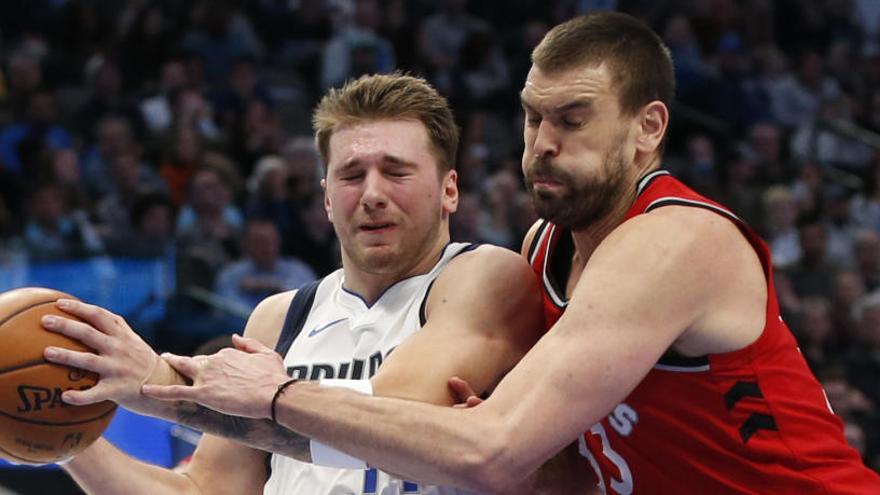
<point>749,421</point>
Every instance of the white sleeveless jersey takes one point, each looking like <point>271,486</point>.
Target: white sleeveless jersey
<point>342,337</point>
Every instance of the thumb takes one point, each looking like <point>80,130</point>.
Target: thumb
<point>184,365</point>
<point>249,345</point>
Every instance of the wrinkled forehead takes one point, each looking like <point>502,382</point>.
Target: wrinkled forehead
<point>551,90</point>
<point>378,140</point>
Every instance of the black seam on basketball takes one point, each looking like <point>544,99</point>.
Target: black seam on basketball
<point>28,365</point>
<point>22,310</point>
<point>58,423</point>
<point>9,454</point>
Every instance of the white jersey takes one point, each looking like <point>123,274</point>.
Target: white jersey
<point>339,336</point>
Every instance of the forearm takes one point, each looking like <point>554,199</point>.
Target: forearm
<point>103,469</point>
<point>422,442</point>
<point>260,434</point>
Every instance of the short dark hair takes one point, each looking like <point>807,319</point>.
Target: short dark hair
<point>639,63</point>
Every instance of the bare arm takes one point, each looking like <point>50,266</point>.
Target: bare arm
<point>123,360</point>
<point>218,465</point>
<point>483,315</point>
<point>649,284</point>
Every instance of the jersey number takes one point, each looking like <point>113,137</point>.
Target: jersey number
<point>371,483</point>
<point>622,486</point>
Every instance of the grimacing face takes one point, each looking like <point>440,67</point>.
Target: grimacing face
<point>384,196</point>
<point>577,150</point>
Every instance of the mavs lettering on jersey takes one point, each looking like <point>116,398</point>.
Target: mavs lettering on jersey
<point>349,370</point>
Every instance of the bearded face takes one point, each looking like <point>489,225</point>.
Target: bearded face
<point>579,198</point>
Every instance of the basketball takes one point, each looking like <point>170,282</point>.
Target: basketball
<point>36,427</point>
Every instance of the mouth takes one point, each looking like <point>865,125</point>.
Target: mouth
<point>545,183</point>
<point>376,227</point>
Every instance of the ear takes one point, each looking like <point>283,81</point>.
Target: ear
<point>652,124</point>
<point>450,192</point>
<point>327,201</point>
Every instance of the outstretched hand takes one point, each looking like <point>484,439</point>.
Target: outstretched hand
<point>238,382</point>
<point>121,358</point>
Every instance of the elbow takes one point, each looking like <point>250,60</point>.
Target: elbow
<point>491,466</point>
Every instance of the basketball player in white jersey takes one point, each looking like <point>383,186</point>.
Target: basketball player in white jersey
<point>445,309</point>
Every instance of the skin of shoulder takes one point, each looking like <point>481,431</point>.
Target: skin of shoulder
<point>221,465</point>
<point>267,319</point>
<point>483,314</point>
<point>529,238</point>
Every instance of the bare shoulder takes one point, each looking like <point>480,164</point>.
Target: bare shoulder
<point>705,260</point>
<point>530,238</point>
<point>487,265</point>
<point>268,317</point>
<point>692,230</point>
<point>488,283</point>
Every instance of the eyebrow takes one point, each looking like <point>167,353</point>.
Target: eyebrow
<point>395,160</point>
<point>577,104</point>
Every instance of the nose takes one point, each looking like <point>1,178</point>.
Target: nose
<point>374,195</point>
<point>546,141</point>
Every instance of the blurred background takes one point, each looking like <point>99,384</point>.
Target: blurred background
<point>156,157</point>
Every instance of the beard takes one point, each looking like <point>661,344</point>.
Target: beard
<point>584,200</point>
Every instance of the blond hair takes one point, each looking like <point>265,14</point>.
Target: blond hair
<point>388,96</point>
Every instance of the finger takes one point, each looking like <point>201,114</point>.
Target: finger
<point>100,318</point>
<point>184,365</point>
<point>250,345</point>
<point>85,397</point>
<point>474,401</point>
<point>169,392</point>
<point>77,330</point>
<point>75,359</point>
<point>461,388</point>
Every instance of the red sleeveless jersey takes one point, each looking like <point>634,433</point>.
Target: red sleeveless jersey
<point>749,421</point>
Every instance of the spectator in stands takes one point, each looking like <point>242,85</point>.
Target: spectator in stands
<point>184,153</point>
<point>848,289</point>
<point>156,110</point>
<point>866,203</point>
<point>22,143</point>
<point>67,173</point>
<point>115,137</point>
<point>130,177</point>
<point>106,99</point>
<point>52,232</point>
<point>780,226</point>
<point>866,246</point>
<point>813,330</point>
<point>23,76</point>
<point>839,224</point>
<point>315,243</point>
<point>443,35</point>
<point>357,48</point>
<point>151,231</point>
<point>221,34</point>
<point>795,99</point>
<point>863,360</point>
<point>262,271</point>
<point>765,141</point>
<point>813,274</point>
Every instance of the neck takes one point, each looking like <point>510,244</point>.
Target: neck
<point>371,284</point>
<point>588,238</point>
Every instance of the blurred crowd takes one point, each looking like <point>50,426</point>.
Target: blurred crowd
<point>180,129</point>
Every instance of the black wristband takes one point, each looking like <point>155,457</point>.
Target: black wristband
<point>281,389</point>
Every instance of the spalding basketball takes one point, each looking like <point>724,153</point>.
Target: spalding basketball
<point>36,427</point>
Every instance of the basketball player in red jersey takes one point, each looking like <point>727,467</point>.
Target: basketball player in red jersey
<point>666,357</point>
